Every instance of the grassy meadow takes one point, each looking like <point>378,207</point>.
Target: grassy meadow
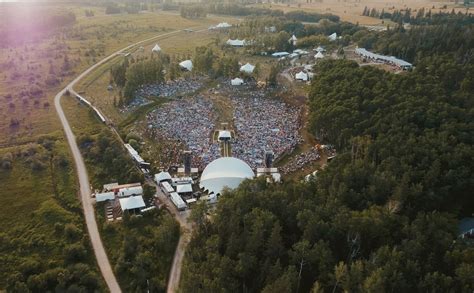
<point>39,206</point>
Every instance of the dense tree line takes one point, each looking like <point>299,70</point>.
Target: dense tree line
<point>109,160</point>
<point>145,251</point>
<point>142,72</point>
<point>193,11</point>
<point>414,44</point>
<point>46,248</point>
<point>422,16</point>
<point>310,16</point>
<point>383,215</point>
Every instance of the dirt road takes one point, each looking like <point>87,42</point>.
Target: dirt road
<point>85,192</point>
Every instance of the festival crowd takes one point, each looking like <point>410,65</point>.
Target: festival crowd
<point>262,124</point>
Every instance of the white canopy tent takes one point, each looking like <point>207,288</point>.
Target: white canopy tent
<point>156,48</point>
<point>319,55</point>
<point>247,68</point>
<point>133,202</point>
<point>293,40</point>
<point>301,76</point>
<point>237,81</point>
<point>332,37</point>
<point>186,64</point>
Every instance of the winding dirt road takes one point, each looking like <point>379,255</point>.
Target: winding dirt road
<point>85,192</point>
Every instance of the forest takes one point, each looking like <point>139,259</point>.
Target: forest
<point>383,216</point>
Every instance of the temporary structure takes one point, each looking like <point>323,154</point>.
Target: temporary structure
<point>236,42</point>
<point>156,48</point>
<point>319,55</point>
<point>301,76</point>
<point>320,49</point>
<point>237,81</point>
<point>247,68</point>
<point>293,40</point>
<point>332,37</point>
<point>280,54</point>
<point>186,64</point>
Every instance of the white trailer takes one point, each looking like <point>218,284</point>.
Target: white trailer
<point>129,191</point>
<point>178,201</point>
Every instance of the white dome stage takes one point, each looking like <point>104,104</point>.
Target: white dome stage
<point>225,172</point>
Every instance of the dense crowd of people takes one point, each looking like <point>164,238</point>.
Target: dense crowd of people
<point>188,123</point>
<point>262,124</point>
<point>170,88</point>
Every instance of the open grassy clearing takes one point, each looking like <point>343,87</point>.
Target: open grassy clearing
<point>32,73</point>
<point>351,11</point>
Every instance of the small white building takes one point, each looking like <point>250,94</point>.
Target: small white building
<point>280,54</point>
<point>178,201</point>
<point>162,176</point>
<point>224,135</point>
<point>131,203</point>
<point>301,76</point>
<point>130,191</point>
<point>104,196</point>
<point>184,188</point>
<point>247,68</point>
<point>187,65</point>
<point>156,48</point>
<point>237,81</point>
<point>235,43</point>
<point>166,187</point>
